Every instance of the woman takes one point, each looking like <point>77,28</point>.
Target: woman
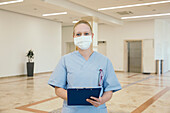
<point>82,68</point>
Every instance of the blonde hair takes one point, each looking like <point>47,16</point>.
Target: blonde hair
<point>82,22</point>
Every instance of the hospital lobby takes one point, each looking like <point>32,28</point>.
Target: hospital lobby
<point>133,34</point>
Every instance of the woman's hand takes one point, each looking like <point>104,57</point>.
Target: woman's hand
<point>101,100</point>
<point>97,102</point>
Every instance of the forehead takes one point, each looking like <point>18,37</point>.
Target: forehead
<point>82,28</point>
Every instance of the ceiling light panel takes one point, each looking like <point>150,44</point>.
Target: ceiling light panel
<point>75,21</point>
<point>10,2</point>
<point>52,14</point>
<point>135,5</point>
<point>96,4</point>
<point>146,16</point>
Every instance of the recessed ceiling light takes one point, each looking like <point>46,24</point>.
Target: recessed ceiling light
<point>10,2</point>
<point>146,16</point>
<point>75,21</point>
<point>134,5</point>
<point>52,14</point>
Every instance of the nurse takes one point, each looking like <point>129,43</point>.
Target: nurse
<point>84,68</point>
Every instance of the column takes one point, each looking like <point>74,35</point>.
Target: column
<point>94,23</point>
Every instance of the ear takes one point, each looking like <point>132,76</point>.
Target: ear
<point>92,35</point>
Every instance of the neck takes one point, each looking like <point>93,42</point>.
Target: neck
<point>86,53</point>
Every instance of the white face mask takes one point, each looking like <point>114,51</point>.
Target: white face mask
<point>83,42</point>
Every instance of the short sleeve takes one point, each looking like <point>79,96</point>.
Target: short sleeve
<point>58,77</point>
<point>111,82</point>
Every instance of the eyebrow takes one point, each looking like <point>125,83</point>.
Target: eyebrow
<point>83,32</point>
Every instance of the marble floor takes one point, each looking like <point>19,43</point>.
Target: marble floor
<point>140,93</point>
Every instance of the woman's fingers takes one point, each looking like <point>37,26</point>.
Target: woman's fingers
<point>97,99</point>
<point>94,103</point>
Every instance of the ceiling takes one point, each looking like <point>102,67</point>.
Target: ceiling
<point>38,7</point>
<point>141,10</point>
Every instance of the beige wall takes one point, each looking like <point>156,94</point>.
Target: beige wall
<point>115,36</point>
<point>162,42</point>
<point>169,45</point>
<point>18,34</point>
<point>67,36</point>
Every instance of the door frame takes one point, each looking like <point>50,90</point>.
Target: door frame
<point>66,46</point>
<point>126,54</point>
<point>103,42</point>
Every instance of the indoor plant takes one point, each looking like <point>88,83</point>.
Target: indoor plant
<point>30,64</point>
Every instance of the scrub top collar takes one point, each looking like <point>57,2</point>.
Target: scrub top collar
<point>78,53</point>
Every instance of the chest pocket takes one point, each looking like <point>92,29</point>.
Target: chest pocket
<point>83,77</point>
<point>97,74</point>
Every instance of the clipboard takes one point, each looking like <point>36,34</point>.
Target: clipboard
<point>78,96</point>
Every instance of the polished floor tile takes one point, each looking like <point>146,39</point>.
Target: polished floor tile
<point>140,93</point>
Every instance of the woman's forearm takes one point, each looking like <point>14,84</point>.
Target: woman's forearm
<point>106,96</point>
<point>62,93</point>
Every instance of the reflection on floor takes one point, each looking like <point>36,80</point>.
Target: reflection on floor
<point>140,93</point>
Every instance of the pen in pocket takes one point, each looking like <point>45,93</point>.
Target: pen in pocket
<point>100,77</point>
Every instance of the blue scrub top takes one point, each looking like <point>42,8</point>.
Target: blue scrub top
<point>73,71</point>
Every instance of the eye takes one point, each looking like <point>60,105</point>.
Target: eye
<point>78,34</point>
<point>86,34</point>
